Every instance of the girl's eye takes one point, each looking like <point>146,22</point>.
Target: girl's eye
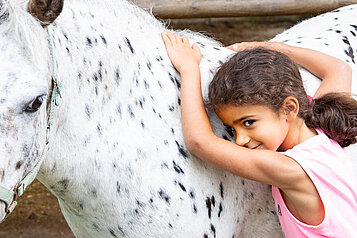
<point>248,123</point>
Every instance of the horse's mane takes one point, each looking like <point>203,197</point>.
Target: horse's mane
<point>16,21</point>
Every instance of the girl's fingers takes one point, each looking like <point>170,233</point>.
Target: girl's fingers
<point>166,39</point>
<point>169,36</point>
<point>195,47</point>
<point>185,41</point>
<point>173,38</point>
<point>178,39</point>
<point>233,47</point>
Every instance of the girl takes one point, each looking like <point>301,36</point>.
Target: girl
<point>283,139</point>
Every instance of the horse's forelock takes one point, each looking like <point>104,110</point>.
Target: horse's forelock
<point>24,29</point>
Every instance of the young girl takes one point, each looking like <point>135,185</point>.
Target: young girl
<point>283,139</point>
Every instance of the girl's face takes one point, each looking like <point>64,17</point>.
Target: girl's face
<point>255,126</point>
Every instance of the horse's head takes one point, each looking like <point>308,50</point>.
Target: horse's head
<point>24,90</point>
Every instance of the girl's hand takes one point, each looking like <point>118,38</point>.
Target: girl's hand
<point>254,44</point>
<point>181,54</point>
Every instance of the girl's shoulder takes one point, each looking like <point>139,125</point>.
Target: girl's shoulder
<point>317,144</point>
<point>322,156</point>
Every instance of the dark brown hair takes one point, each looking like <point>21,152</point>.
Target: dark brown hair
<point>265,77</point>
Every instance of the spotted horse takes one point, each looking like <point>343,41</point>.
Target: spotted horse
<point>114,154</point>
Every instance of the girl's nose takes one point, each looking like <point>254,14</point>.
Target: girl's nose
<point>242,140</point>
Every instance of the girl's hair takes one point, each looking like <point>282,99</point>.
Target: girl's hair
<point>261,76</point>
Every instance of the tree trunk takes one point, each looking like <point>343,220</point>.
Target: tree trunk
<point>237,8</point>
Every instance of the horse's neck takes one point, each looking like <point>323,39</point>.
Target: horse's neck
<point>93,44</point>
<point>102,55</point>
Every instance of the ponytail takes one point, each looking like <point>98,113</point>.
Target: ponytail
<point>336,115</point>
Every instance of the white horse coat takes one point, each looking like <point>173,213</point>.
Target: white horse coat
<point>117,161</point>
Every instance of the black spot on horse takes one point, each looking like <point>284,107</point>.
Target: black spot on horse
<point>175,81</point>
<point>118,187</point>
<point>95,226</point>
<point>88,111</point>
<point>130,111</point>
<point>182,187</point>
<point>81,206</point>
<point>112,233</point>
<point>117,76</point>
<point>192,194</point>
<point>118,110</point>
<point>182,151</point>
<point>99,129</point>
<point>159,58</point>
<point>68,52</point>
<point>194,209</point>
<point>127,42</point>
<point>349,51</point>
<point>149,65</point>
<point>4,15</point>
<point>18,164</point>
<point>64,183</point>
<point>163,195</point>
<point>213,229</point>
<point>209,207</point>
<point>94,193</point>
<point>103,39</point>
<point>89,42</point>
<point>220,210</point>
<point>177,168</point>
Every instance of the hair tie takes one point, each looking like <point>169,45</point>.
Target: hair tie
<point>310,98</point>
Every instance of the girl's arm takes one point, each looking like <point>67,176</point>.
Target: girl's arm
<point>260,165</point>
<point>336,75</point>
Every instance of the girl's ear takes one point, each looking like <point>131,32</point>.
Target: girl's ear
<point>290,108</point>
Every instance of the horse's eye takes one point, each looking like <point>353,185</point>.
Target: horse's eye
<point>35,104</point>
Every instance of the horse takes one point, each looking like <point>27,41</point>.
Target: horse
<point>88,93</point>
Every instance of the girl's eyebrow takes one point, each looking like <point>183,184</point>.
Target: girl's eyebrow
<point>243,118</point>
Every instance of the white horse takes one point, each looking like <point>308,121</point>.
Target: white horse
<point>115,159</point>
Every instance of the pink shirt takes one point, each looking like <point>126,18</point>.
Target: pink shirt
<point>330,169</point>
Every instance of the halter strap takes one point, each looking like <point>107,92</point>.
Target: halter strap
<point>10,196</point>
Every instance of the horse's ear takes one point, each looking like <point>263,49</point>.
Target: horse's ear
<point>46,11</point>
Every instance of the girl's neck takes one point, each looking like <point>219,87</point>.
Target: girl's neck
<point>298,133</point>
